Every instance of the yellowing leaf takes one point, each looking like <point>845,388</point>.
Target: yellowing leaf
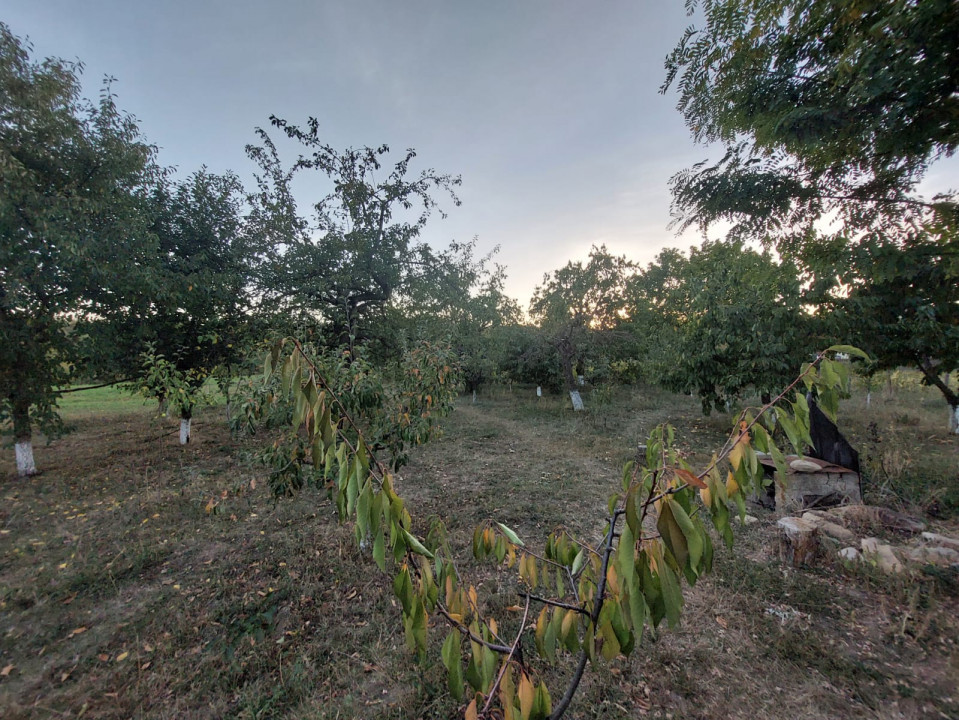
<point>732,487</point>
<point>471,713</point>
<point>527,694</point>
<point>736,454</point>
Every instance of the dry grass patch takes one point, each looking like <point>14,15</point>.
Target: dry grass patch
<point>142,579</point>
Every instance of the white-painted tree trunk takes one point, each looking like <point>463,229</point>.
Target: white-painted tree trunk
<point>954,420</point>
<point>474,397</point>
<point>577,400</point>
<point>25,464</point>
<point>868,399</point>
<point>185,430</point>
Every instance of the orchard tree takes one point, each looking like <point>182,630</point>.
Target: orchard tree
<point>200,329</point>
<point>73,223</point>
<point>907,312</point>
<point>831,113</point>
<point>728,319</point>
<point>582,306</point>
<point>459,299</point>
<point>340,267</point>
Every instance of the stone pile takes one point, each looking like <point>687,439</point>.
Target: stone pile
<point>840,530</point>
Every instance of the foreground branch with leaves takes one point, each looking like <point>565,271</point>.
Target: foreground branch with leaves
<point>594,601</point>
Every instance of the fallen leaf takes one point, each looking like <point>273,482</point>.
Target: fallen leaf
<point>70,599</point>
<point>147,647</point>
<point>103,657</point>
<point>144,666</point>
<point>77,631</point>
<point>64,676</point>
<point>351,594</point>
<point>721,621</point>
<point>6,671</point>
<point>122,656</point>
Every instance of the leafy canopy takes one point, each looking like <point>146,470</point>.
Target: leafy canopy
<point>824,107</point>
<point>74,239</point>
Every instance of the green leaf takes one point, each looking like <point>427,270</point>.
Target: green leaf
<point>578,562</point>
<point>849,350</point>
<point>512,536</point>
<point>379,550</point>
<point>672,534</point>
<point>453,662</point>
<point>694,541</point>
<point>415,545</point>
<point>672,595</point>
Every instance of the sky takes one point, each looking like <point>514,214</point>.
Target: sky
<point>549,110</point>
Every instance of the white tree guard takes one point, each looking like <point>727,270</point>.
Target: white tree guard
<point>185,430</point>
<point>577,400</point>
<point>25,463</point>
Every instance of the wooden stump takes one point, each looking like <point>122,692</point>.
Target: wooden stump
<point>798,541</point>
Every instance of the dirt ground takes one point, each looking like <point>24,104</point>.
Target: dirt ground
<point>143,579</point>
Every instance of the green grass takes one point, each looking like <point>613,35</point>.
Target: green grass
<point>109,400</point>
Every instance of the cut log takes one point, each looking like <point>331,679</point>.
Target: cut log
<point>798,541</point>
<point>871,514</point>
<point>827,527</point>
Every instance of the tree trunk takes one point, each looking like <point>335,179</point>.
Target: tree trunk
<point>186,420</point>
<point>952,397</point>
<point>566,352</point>
<point>23,438</point>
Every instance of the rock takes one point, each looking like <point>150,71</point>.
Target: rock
<point>850,554</point>
<point>941,540</point>
<point>749,520</point>
<point>827,527</point>
<point>888,562</point>
<point>943,557</point>
<point>882,555</point>
<point>870,546</point>
<point>798,541</point>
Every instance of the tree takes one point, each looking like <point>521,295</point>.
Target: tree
<point>581,306</point>
<point>907,312</point>
<point>460,301</point>
<point>831,113</point>
<point>73,179</point>
<point>825,108</point>
<point>340,268</point>
<point>726,319</point>
<point>197,327</point>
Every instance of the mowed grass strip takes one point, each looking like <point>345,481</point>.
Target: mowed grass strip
<point>139,578</point>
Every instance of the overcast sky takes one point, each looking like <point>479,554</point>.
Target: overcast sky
<point>548,109</point>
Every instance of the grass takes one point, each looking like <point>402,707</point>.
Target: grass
<point>122,596</point>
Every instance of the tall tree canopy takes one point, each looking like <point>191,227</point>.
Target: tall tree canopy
<point>724,320</point>
<point>580,306</point>
<point>359,249</point>
<point>195,322</point>
<point>824,106</point>
<point>74,239</point>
